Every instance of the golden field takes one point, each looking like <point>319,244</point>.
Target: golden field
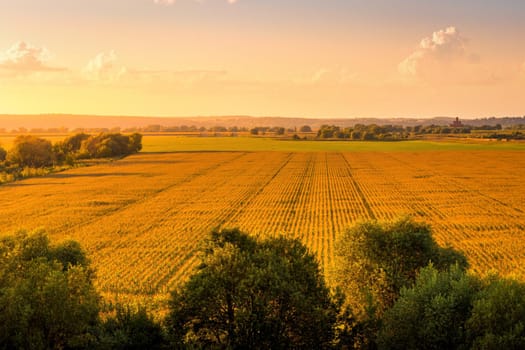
<point>142,218</point>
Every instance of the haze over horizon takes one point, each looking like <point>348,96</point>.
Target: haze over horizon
<point>298,58</point>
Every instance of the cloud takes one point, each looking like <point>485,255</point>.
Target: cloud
<point>444,45</point>
<point>445,58</point>
<point>26,58</point>
<point>104,67</point>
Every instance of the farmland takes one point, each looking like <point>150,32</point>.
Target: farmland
<point>142,218</point>
<point>173,142</point>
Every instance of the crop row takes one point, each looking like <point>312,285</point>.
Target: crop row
<point>143,218</point>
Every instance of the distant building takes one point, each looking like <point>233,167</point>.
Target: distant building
<point>457,123</point>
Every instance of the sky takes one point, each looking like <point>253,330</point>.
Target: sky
<point>291,58</point>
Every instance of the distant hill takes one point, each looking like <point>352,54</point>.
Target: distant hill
<point>46,121</point>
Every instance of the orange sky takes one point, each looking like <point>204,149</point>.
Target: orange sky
<point>308,58</point>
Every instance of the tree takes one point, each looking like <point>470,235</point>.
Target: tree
<point>255,294</point>
<point>376,260</point>
<point>73,143</point>
<point>134,143</point>
<point>31,151</point>
<point>432,313</point>
<point>305,128</point>
<point>47,297</point>
<point>279,130</point>
<point>328,131</point>
<point>106,145</point>
<point>131,329</point>
<point>3,154</point>
<point>498,316</point>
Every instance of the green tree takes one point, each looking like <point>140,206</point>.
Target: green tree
<point>254,294</point>
<point>73,143</point>
<point>328,131</point>
<point>134,143</point>
<point>376,260</point>
<point>498,316</point>
<point>305,128</point>
<point>131,329</point>
<point>3,154</point>
<point>68,149</point>
<point>47,297</point>
<point>31,151</point>
<point>110,145</point>
<point>432,313</point>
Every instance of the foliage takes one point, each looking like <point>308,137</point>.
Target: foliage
<point>432,313</point>
<point>31,151</point>
<point>454,310</point>
<point>305,128</point>
<point>32,156</point>
<point>110,145</point>
<point>253,294</point>
<point>47,298</point>
<point>130,329</point>
<point>329,131</point>
<point>498,316</point>
<point>68,149</point>
<point>73,143</point>
<point>375,261</point>
<point>3,154</point>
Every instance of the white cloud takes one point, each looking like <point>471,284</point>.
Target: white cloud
<point>104,67</point>
<point>444,45</point>
<point>26,58</point>
<point>445,58</point>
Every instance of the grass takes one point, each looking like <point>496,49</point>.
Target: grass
<point>175,143</point>
<point>152,143</point>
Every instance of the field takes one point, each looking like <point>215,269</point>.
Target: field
<point>171,143</point>
<point>142,218</point>
<point>176,143</point>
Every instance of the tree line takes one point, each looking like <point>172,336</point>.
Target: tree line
<point>29,151</point>
<point>373,132</point>
<point>396,289</point>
